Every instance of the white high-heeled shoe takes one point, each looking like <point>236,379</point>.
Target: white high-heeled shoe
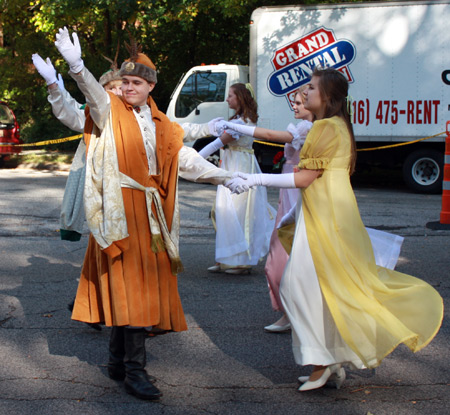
<point>274,328</point>
<point>238,270</point>
<point>303,379</point>
<point>334,373</point>
<point>334,376</point>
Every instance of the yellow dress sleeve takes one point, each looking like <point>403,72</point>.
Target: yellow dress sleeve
<point>320,145</point>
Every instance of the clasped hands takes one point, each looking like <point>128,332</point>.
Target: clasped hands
<point>241,182</point>
<point>223,126</point>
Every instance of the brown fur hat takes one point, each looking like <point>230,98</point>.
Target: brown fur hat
<point>138,64</point>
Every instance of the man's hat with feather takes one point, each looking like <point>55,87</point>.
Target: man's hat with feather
<point>138,64</point>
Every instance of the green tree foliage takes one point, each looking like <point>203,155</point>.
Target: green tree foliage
<point>175,34</point>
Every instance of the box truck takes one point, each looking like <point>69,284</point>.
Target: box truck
<point>394,55</point>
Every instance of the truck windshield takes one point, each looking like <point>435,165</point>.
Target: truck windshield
<point>200,87</point>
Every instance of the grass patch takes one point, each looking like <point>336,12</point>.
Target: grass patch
<point>40,159</point>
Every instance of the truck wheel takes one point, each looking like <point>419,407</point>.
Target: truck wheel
<point>423,171</point>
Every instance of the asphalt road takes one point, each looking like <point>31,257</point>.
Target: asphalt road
<point>225,363</point>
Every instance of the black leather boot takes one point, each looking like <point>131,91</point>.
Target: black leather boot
<point>116,367</point>
<point>137,381</point>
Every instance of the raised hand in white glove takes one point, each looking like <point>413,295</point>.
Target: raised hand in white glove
<point>212,126</point>
<point>60,83</point>
<point>45,68</point>
<point>211,148</point>
<point>288,218</point>
<point>71,52</point>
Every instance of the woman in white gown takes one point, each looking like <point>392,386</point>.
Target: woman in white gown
<point>244,222</point>
<point>343,308</point>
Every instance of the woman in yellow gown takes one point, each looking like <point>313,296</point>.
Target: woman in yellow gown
<point>343,308</point>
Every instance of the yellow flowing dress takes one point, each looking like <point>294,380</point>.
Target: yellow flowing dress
<point>342,306</point>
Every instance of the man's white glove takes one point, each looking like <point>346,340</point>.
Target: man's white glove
<point>240,128</point>
<point>45,68</point>
<point>241,182</point>
<point>212,126</point>
<point>288,218</point>
<point>71,52</point>
<point>60,83</point>
<point>211,148</point>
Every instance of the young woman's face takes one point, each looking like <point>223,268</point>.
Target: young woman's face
<point>313,100</point>
<point>232,100</point>
<point>300,112</point>
<point>114,87</point>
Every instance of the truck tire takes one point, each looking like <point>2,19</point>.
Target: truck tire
<point>423,171</point>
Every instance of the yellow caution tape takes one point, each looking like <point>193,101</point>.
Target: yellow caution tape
<point>268,144</point>
<point>75,137</point>
<point>45,143</point>
<point>366,149</point>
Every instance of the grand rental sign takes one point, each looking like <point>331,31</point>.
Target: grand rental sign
<point>294,63</point>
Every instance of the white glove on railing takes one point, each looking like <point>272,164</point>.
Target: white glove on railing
<point>211,148</point>
<point>45,68</point>
<point>60,83</point>
<point>288,218</point>
<point>71,52</point>
<point>241,182</point>
<point>242,129</point>
<point>212,126</point>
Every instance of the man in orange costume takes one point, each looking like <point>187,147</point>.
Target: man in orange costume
<point>134,156</point>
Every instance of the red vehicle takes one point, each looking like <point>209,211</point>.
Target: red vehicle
<point>9,132</point>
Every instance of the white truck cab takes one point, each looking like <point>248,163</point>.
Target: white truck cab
<point>201,93</point>
<point>201,96</point>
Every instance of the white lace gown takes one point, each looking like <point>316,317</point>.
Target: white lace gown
<point>244,223</point>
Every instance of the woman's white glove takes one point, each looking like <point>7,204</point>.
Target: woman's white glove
<point>240,128</point>
<point>71,52</point>
<point>288,218</point>
<point>211,148</point>
<point>45,68</point>
<point>212,125</point>
<point>241,182</point>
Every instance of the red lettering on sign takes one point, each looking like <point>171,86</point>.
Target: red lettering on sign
<point>418,112</point>
<point>410,112</point>
<point>302,47</point>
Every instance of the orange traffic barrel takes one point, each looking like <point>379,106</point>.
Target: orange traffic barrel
<point>445,211</point>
